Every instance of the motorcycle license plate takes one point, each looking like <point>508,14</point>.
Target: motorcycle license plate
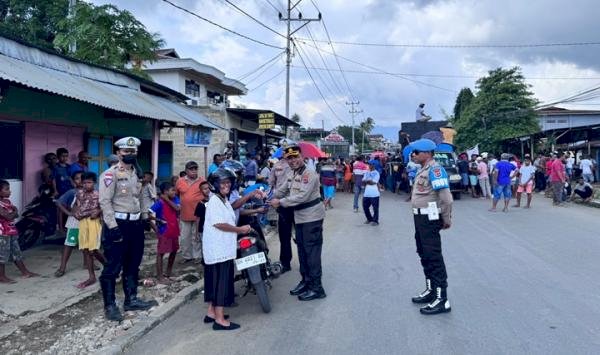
<point>250,260</point>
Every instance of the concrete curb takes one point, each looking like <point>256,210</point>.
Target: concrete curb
<point>144,326</point>
<point>141,328</point>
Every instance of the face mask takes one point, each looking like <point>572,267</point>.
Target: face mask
<point>129,159</point>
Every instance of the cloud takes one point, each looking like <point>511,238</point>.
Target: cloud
<point>388,99</point>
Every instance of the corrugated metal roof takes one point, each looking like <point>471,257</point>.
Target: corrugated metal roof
<point>104,94</point>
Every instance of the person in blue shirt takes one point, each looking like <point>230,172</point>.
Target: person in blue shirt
<point>502,186</point>
<point>217,160</point>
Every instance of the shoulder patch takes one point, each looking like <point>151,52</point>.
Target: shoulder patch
<point>305,177</point>
<point>108,178</point>
<point>437,172</point>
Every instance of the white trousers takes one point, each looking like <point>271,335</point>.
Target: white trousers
<point>191,247</point>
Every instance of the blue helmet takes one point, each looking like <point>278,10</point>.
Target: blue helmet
<point>423,145</point>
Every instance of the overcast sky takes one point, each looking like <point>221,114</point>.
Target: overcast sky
<point>388,99</point>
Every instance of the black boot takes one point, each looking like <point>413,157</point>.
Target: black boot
<point>132,303</point>
<point>426,296</point>
<point>299,289</point>
<point>439,305</point>
<point>111,311</point>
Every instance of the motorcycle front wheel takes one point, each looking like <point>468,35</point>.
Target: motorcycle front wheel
<point>263,296</point>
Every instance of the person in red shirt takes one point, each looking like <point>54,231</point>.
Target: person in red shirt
<point>549,160</point>
<point>188,188</point>
<point>558,177</point>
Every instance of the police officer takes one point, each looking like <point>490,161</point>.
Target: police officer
<point>301,193</point>
<point>285,222</point>
<point>432,207</point>
<point>123,231</point>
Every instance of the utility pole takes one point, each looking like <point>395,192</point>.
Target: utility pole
<point>353,112</point>
<point>288,49</point>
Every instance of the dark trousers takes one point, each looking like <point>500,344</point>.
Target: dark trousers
<point>367,203</point>
<point>123,254</point>
<point>429,248</point>
<point>584,194</point>
<point>284,228</point>
<point>540,181</point>
<point>309,238</point>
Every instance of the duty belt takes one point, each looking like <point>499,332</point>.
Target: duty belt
<point>305,205</point>
<point>423,211</point>
<point>127,216</point>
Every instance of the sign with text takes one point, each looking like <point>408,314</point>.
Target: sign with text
<point>266,120</point>
<point>197,136</point>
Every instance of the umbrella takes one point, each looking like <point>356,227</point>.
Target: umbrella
<point>310,150</point>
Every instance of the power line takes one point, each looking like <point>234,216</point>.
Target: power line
<point>444,76</point>
<point>406,45</point>
<point>318,73</point>
<point>274,7</point>
<point>242,77</point>
<point>333,50</point>
<point>261,72</point>
<point>253,18</point>
<point>319,90</point>
<point>325,63</point>
<point>268,80</point>
<point>381,70</point>
<point>220,26</point>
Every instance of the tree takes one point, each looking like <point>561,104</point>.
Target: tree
<point>107,36</point>
<point>296,118</point>
<point>34,21</point>
<point>464,98</point>
<point>367,125</point>
<point>502,108</point>
<point>346,132</point>
<point>102,35</point>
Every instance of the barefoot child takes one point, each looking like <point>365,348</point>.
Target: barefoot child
<point>65,204</point>
<point>165,210</point>
<point>87,211</point>
<point>9,236</point>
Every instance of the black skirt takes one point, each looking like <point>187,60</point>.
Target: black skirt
<point>218,284</point>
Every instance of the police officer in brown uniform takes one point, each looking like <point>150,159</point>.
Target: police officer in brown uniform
<point>285,221</point>
<point>123,230</point>
<point>301,193</point>
<point>432,208</point>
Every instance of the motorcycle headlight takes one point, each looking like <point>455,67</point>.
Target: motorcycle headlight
<point>455,178</point>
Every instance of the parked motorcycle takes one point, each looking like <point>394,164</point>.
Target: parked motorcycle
<point>38,218</point>
<point>256,268</point>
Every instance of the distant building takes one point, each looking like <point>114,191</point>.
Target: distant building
<point>312,134</point>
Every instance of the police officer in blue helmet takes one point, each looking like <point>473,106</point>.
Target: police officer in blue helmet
<point>432,208</point>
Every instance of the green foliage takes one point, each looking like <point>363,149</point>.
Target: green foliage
<point>296,118</point>
<point>34,21</point>
<point>502,108</point>
<point>346,132</point>
<point>464,98</point>
<point>107,36</point>
<point>367,125</point>
<point>102,35</point>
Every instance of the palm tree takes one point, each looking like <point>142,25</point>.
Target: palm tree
<point>366,127</point>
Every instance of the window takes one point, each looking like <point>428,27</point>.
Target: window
<point>215,97</point>
<point>192,88</point>
<point>99,148</point>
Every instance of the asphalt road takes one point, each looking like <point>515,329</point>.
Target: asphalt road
<point>522,282</point>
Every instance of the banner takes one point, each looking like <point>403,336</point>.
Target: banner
<point>473,150</point>
<point>197,136</point>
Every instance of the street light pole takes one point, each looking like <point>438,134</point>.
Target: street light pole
<point>353,112</point>
<point>288,48</point>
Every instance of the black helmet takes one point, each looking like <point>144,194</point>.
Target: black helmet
<point>218,175</point>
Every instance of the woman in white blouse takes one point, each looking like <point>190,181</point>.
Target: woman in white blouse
<point>219,247</point>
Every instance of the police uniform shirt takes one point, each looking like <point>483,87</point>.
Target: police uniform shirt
<point>120,191</point>
<point>302,186</point>
<point>279,175</point>
<point>432,185</point>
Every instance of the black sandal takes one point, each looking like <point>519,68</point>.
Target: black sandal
<point>208,319</point>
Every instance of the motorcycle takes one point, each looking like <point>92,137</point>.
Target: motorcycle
<point>35,222</point>
<point>256,268</point>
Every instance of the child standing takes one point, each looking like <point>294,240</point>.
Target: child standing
<point>166,210</point>
<point>200,211</point>
<point>87,211</point>
<point>65,205</point>
<point>9,236</point>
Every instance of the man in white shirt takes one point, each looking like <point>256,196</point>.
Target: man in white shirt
<point>570,163</point>
<point>583,189</point>
<point>586,167</point>
<point>371,195</point>
<point>526,182</point>
<point>420,115</point>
